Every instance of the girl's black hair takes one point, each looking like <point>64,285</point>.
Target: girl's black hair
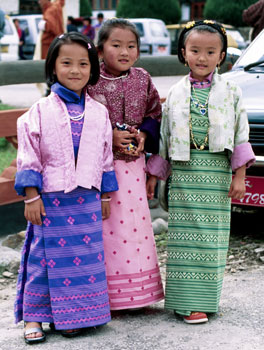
<point>66,39</point>
<point>202,26</point>
<point>109,25</point>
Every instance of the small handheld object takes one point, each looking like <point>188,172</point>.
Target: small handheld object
<point>131,148</point>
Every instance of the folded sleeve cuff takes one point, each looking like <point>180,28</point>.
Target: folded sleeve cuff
<point>152,128</point>
<point>242,155</point>
<point>109,182</point>
<point>27,178</point>
<point>158,166</point>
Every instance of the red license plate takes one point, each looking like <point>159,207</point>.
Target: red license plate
<point>254,195</point>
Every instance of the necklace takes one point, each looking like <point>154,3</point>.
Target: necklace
<point>202,106</point>
<point>108,78</point>
<point>78,117</point>
<point>202,146</point>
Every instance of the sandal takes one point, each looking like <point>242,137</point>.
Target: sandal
<point>71,333</point>
<point>34,340</point>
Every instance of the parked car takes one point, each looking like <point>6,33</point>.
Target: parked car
<point>9,42</point>
<point>234,37</point>
<point>154,37</point>
<point>29,23</point>
<point>248,72</point>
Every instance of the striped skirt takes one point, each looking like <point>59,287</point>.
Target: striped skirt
<point>199,226</point>
<point>62,274</point>
<point>132,269</point>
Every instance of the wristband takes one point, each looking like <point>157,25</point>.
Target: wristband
<point>106,199</point>
<point>27,201</point>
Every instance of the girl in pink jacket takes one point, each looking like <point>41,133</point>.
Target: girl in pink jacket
<point>65,170</point>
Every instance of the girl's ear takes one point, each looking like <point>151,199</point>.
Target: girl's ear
<point>183,52</point>
<point>100,54</point>
<point>222,56</point>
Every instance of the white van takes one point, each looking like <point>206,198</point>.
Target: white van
<point>154,36</point>
<point>9,42</point>
<point>29,23</point>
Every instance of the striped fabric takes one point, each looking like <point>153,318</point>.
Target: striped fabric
<point>199,225</point>
<point>62,275</point>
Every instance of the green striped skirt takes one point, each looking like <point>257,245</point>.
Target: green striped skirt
<point>199,227</point>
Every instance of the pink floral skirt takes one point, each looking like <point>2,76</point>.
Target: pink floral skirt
<point>132,269</point>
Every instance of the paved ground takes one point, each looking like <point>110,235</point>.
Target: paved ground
<point>237,326</point>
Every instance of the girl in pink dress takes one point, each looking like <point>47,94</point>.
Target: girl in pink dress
<point>133,103</point>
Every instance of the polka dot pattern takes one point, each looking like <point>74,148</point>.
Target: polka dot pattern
<point>130,251</point>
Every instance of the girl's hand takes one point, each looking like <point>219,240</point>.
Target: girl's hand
<point>34,210</point>
<point>141,138</point>
<point>105,206</point>
<point>238,187</point>
<point>105,210</point>
<point>150,186</point>
<point>122,138</point>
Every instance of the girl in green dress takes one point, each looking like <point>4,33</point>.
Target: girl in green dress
<point>205,137</point>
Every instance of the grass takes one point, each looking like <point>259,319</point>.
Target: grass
<point>7,150</point>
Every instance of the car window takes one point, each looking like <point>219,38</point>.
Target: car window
<point>24,26</point>
<point>8,29</point>
<point>235,34</point>
<point>254,53</point>
<point>37,20</point>
<point>140,28</point>
<point>157,30</point>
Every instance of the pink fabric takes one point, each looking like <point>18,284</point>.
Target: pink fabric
<point>158,166</point>
<point>45,145</point>
<point>132,268</point>
<point>128,99</point>
<point>242,155</point>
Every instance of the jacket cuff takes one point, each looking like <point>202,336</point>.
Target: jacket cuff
<point>27,178</point>
<point>109,182</point>
<point>242,155</point>
<point>158,166</point>
<point>152,128</point>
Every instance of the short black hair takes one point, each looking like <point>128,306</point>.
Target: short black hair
<point>202,26</point>
<point>87,19</point>
<point>67,39</point>
<point>100,15</point>
<point>109,25</point>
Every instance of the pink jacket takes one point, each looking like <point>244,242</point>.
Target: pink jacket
<point>45,145</point>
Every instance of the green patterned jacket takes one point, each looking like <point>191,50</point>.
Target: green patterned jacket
<point>227,117</point>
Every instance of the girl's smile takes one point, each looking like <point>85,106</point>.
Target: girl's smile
<point>73,67</point>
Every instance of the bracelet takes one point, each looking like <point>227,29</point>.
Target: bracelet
<point>106,199</point>
<point>27,201</point>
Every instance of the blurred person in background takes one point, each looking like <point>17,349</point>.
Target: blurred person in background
<point>71,27</point>
<point>21,35</point>
<point>52,24</point>
<point>254,17</point>
<point>87,28</point>
<point>100,20</point>
<point>2,27</point>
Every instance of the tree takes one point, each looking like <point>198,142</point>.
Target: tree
<point>167,10</point>
<point>85,8</point>
<point>228,12</point>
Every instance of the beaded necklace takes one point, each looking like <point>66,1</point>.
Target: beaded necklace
<point>78,117</point>
<point>114,78</point>
<point>203,108</point>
